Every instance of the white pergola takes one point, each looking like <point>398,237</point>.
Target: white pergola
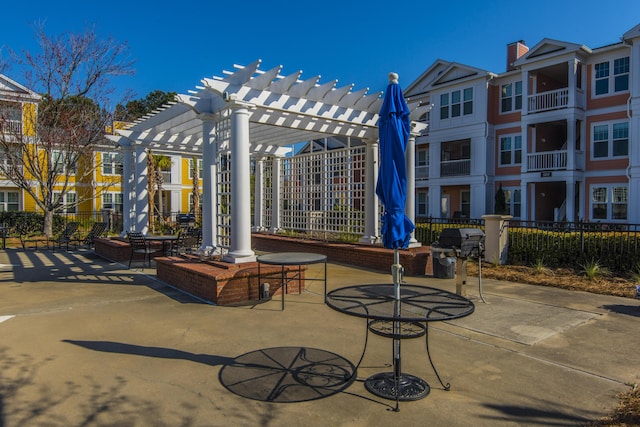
<point>251,112</point>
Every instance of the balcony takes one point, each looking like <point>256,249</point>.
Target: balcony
<point>455,167</point>
<point>11,127</point>
<point>422,172</point>
<point>547,160</point>
<point>551,100</point>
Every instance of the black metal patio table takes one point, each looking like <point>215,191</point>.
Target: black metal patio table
<point>284,259</point>
<point>406,318</point>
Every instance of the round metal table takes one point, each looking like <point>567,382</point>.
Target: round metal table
<point>284,259</point>
<point>406,318</point>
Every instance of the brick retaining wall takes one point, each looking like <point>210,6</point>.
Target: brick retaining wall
<point>224,283</point>
<point>414,260</point>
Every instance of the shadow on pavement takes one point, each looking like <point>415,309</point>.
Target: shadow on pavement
<point>80,266</point>
<point>631,310</point>
<point>279,374</point>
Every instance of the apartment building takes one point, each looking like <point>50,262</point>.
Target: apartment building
<point>17,103</point>
<point>555,132</point>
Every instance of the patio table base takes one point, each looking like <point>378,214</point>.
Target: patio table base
<point>409,387</point>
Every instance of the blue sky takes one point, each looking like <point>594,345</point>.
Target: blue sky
<point>176,44</point>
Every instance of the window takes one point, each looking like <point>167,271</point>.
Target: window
<point>609,202</point>
<point>511,97</point>
<point>200,170</point>
<point>422,203</point>
<point>510,150</point>
<point>444,106</point>
<point>191,204</point>
<point>69,202</point>
<point>111,164</point>
<point>465,203</point>
<point>62,162</point>
<point>9,201</point>
<point>112,201</point>
<point>422,163</point>
<point>468,102</point>
<point>604,84</point>
<point>456,103</point>
<point>610,140</point>
<point>513,201</point>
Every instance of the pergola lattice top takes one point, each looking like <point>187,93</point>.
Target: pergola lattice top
<point>283,110</point>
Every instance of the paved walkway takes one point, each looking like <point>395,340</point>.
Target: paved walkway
<point>84,341</point>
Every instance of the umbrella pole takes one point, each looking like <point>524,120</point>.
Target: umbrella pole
<point>396,272</point>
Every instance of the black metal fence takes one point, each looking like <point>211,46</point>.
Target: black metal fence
<point>560,244</point>
<point>33,222</point>
<point>569,244</point>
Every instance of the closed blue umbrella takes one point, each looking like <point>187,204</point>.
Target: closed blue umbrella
<point>393,130</point>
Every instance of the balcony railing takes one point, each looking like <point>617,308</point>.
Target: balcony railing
<point>547,160</point>
<point>13,127</point>
<point>166,177</point>
<point>455,167</point>
<point>549,100</point>
<point>422,172</point>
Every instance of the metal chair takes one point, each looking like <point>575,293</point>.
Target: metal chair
<point>97,230</point>
<point>188,241</point>
<point>66,237</point>
<point>139,245</point>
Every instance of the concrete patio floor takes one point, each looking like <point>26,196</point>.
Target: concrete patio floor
<point>84,341</point>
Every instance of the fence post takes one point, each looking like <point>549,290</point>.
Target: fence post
<point>496,238</point>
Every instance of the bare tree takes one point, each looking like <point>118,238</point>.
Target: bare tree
<point>73,73</point>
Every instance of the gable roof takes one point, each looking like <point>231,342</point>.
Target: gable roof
<point>549,48</point>
<point>632,33</point>
<point>443,72</point>
<point>12,90</point>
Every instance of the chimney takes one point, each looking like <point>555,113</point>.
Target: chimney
<point>514,51</point>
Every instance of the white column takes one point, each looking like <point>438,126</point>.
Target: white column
<point>209,200</point>
<point>572,66</point>
<point>524,200</point>
<point>240,246</point>
<point>276,171</point>
<point>258,195</point>
<point>496,242</point>
<point>478,194</point>
<point>142,196</point>
<point>372,205</point>
<point>570,199</point>
<point>410,205</point>
<point>128,206</point>
<point>571,143</point>
<point>435,201</point>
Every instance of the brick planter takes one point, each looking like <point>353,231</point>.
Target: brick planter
<point>223,283</point>
<point>414,260</point>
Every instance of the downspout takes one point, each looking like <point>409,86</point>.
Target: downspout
<point>628,170</point>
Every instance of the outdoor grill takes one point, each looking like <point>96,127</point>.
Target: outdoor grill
<point>450,255</point>
<point>465,242</point>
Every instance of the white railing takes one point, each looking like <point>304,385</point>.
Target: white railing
<point>549,100</point>
<point>422,172</point>
<point>12,127</point>
<point>455,167</point>
<point>559,214</point>
<point>547,160</point>
<point>166,177</point>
